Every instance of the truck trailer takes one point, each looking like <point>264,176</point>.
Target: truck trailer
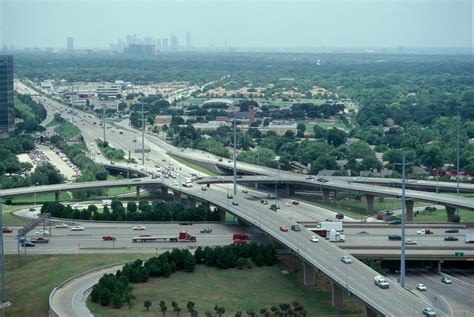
<point>469,238</point>
<point>328,225</point>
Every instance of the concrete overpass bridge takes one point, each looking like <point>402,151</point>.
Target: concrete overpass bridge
<point>324,256</point>
<point>370,191</point>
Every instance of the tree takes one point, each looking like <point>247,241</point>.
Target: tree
<point>319,133</point>
<point>105,297</point>
<point>259,259</point>
<point>301,128</point>
<point>176,308</point>
<point>189,263</point>
<point>116,300</point>
<point>147,303</point>
<point>163,307</point>
<point>132,206</point>
<point>323,162</point>
<point>190,306</point>
<point>336,136</point>
<point>432,156</point>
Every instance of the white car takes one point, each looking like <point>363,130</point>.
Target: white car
<point>287,204</point>
<point>42,232</point>
<point>421,287</point>
<point>410,242</point>
<point>313,239</point>
<point>428,311</point>
<point>61,226</point>
<point>175,183</point>
<point>77,228</point>
<point>446,280</point>
<point>139,227</point>
<point>346,259</point>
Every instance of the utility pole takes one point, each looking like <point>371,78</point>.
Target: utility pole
<point>4,292</point>
<point>103,119</point>
<point>235,157</point>
<point>457,154</point>
<point>143,136</point>
<point>402,252</point>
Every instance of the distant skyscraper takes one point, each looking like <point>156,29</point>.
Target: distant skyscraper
<point>401,49</point>
<point>188,40</point>
<point>158,43</point>
<point>7,110</point>
<point>164,43</point>
<point>70,44</point>
<point>174,42</point>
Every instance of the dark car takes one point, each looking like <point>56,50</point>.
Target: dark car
<point>452,231</point>
<point>40,240</point>
<point>395,222</point>
<point>108,238</point>
<point>27,244</point>
<point>339,216</point>
<point>7,230</point>
<point>322,180</point>
<point>451,238</point>
<point>394,237</point>
<point>186,223</point>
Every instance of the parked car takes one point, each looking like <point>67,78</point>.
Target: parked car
<point>446,280</point>
<point>346,259</point>
<point>140,227</point>
<point>77,228</point>
<point>108,238</point>
<point>314,239</point>
<point>428,311</point>
<point>40,240</point>
<point>61,226</point>
<point>451,231</point>
<point>421,287</point>
<point>284,228</point>
<point>7,230</point>
<point>451,238</point>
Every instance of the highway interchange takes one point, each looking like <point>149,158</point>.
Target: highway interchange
<point>323,255</point>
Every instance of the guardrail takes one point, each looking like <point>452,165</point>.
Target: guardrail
<point>52,311</point>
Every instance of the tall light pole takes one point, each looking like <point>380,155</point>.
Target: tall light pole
<point>235,157</point>
<point>457,155</point>
<point>143,136</point>
<point>4,292</point>
<point>103,119</point>
<point>402,252</point>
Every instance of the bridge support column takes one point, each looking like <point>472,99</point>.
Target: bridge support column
<point>177,196</point>
<point>326,193</point>
<point>337,295</point>
<point>409,209</point>
<point>289,190</point>
<point>164,191</point>
<point>369,312</point>
<point>191,202</point>
<point>222,215</point>
<point>309,278</point>
<point>370,203</point>
<point>56,197</point>
<point>451,212</point>
<point>256,186</point>
<point>439,266</point>
<point>138,193</point>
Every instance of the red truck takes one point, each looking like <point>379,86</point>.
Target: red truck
<point>240,238</point>
<point>323,233</point>
<point>184,236</point>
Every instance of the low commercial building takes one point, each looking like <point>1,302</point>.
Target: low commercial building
<point>109,91</point>
<point>281,126</point>
<point>162,120</point>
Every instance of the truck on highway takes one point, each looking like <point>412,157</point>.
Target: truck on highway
<point>469,238</point>
<point>183,236</point>
<point>424,231</point>
<point>240,238</point>
<point>380,281</point>
<point>328,225</point>
<point>335,236</point>
<point>323,233</point>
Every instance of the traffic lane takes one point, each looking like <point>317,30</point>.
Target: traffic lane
<point>460,297</point>
<point>461,274</point>
<point>431,242</point>
<point>437,232</point>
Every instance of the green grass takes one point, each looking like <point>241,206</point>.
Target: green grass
<point>53,123</point>
<point>467,217</point>
<point>40,198</point>
<point>29,285</point>
<point>23,108</point>
<point>194,166</point>
<point>9,219</point>
<point>286,104</point>
<point>236,290</point>
<point>325,124</point>
<point>68,130</point>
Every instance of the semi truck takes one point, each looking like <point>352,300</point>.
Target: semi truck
<point>380,281</point>
<point>183,236</point>
<point>335,236</point>
<point>328,225</point>
<point>240,238</point>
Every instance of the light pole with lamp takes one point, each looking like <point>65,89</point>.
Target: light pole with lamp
<point>4,291</point>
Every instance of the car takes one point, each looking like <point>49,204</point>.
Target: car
<point>204,188</point>
<point>275,207</point>
<point>446,280</point>
<point>339,216</point>
<point>61,226</point>
<point>451,231</point>
<point>31,209</point>
<point>389,212</point>
<point>313,239</point>
<point>310,177</point>
<point>136,180</point>
<point>394,237</point>
<point>186,223</point>
<point>271,196</point>
<point>322,180</point>
<point>421,287</point>
<point>451,238</point>
<point>235,203</point>
<point>287,204</point>
<point>7,230</point>
<point>296,227</point>
<point>428,311</point>
<point>77,228</point>
<point>220,160</point>
<point>395,222</point>
<point>264,201</point>
<point>40,240</point>
<point>363,232</point>
<point>295,202</point>
<point>346,259</point>
<point>410,242</point>
<point>42,232</point>
<point>230,196</point>
<point>27,244</point>
<point>379,217</point>
<point>284,228</point>
<point>245,191</point>
<point>206,230</point>
<point>108,238</point>
<point>140,227</point>
<point>175,183</point>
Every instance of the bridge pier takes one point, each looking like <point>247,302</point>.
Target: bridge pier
<point>138,193</point>
<point>369,312</point>
<point>326,193</point>
<point>289,190</point>
<point>256,186</point>
<point>56,196</point>
<point>191,202</point>
<point>337,295</point>
<point>409,209</point>
<point>177,196</point>
<point>451,212</point>
<point>440,263</point>
<point>222,215</point>
<point>164,191</point>
<point>370,203</point>
<point>309,277</point>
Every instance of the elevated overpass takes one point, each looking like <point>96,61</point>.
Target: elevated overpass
<point>370,191</point>
<point>357,278</point>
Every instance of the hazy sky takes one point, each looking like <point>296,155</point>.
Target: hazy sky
<point>264,23</point>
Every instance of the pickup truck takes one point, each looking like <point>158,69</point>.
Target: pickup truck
<point>206,230</point>
<point>424,231</point>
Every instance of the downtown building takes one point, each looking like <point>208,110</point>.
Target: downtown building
<point>7,110</point>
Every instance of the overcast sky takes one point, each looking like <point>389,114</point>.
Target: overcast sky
<point>244,23</point>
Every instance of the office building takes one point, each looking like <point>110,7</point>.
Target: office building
<point>141,49</point>
<point>109,91</point>
<point>164,43</point>
<point>70,44</point>
<point>188,40</point>
<point>7,110</point>
<point>174,42</point>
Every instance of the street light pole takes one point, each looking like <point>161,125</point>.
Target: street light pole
<point>457,155</point>
<point>402,252</point>
<point>143,136</point>
<point>4,292</point>
<point>235,157</point>
<point>103,119</point>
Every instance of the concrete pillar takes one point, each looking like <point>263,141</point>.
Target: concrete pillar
<point>222,215</point>
<point>369,312</point>
<point>56,197</point>
<point>439,266</point>
<point>164,191</point>
<point>326,193</point>
<point>289,190</point>
<point>191,202</point>
<point>370,204</point>
<point>409,209</point>
<point>451,211</point>
<point>337,295</point>
<point>309,277</point>
<point>138,193</point>
<point>177,196</point>
<point>256,186</point>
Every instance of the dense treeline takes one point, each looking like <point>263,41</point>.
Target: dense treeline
<point>156,211</point>
<point>32,115</point>
<point>114,289</point>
